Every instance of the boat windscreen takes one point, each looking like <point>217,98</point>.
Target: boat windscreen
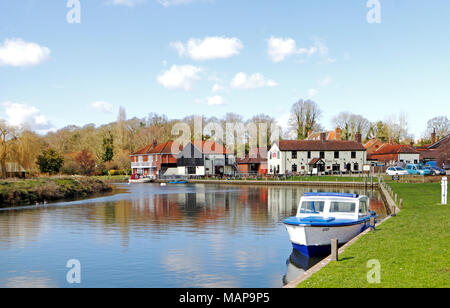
<point>312,207</point>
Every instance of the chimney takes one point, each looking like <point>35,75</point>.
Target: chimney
<point>338,133</point>
<point>358,138</point>
<point>323,137</point>
<point>411,144</point>
<point>309,132</point>
<point>433,136</point>
<point>155,143</point>
<point>391,141</point>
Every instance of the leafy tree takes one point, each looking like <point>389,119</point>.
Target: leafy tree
<point>108,148</point>
<point>50,161</point>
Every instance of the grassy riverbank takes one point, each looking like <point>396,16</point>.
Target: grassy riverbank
<point>412,248</point>
<point>113,178</point>
<point>29,191</point>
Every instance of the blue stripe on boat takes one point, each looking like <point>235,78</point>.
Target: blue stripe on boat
<point>323,222</point>
<point>330,194</point>
<point>313,251</point>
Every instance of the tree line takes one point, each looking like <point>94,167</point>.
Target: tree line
<point>104,149</point>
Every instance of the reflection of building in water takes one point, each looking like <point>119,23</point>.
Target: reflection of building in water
<point>200,206</point>
<point>282,201</point>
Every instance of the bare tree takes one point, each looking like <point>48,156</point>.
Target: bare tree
<point>439,124</point>
<point>351,124</point>
<point>304,117</point>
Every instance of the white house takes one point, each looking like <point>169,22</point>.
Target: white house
<point>321,156</point>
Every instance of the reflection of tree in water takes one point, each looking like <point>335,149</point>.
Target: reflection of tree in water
<point>246,206</point>
<point>21,226</point>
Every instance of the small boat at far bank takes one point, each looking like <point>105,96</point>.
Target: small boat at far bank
<point>322,217</point>
<point>178,182</point>
<point>137,178</point>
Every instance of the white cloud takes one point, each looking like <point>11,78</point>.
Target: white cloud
<point>103,107</point>
<point>242,81</point>
<point>167,3</point>
<point>209,48</point>
<point>18,53</point>
<point>129,3</point>
<point>281,48</point>
<point>22,115</point>
<point>217,88</point>
<point>325,82</point>
<point>312,92</point>
<point>216,100</point>
<point>323,51</point>
<point>180,77</point>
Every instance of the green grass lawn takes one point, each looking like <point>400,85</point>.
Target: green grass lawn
<point>412,248</point>
<point>113,178</point>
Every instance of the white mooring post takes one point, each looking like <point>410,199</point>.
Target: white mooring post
<point>444,190</point>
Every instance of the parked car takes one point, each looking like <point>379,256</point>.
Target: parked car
<point>396,171</point>
<point>435,171</point>
<point>417,169</point>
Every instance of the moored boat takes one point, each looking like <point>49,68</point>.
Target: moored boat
<point>178,182</point>
<point>137,178</point>
<point>322,217</point>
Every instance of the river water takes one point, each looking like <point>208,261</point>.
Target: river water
<point>146,235</point>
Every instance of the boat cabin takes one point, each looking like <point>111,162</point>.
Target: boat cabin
<point>333,205</point>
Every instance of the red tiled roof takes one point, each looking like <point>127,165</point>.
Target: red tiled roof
<point>314,161</point>
<point>211,147</point>
<point>255,156</point>
<point>317,145</point>
<point>395,149</point>
<point>143,150</point>
<point>168,147</point>
<point>383,157</point>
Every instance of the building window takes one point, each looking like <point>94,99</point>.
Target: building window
<point>322,155</point>
<point>336,154</point>
<point>309,154</point>
<point>355,167</point>
<point>294,154</point>
<point>278,155</point>
<point>294,168</point>
<point>353,154</point>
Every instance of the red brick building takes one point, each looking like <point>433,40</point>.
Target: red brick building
<point>156,159</point>
<point>254,163</point>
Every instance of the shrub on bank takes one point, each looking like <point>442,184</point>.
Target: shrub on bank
<point>28,192</point>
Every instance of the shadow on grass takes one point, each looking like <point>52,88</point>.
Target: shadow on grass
<point>345,259</point>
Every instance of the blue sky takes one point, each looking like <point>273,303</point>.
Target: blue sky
<point>260,56</point>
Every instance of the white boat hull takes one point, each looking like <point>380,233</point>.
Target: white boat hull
<point>316,241</point>
<point>146,180</point>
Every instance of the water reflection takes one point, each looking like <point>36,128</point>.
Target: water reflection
<point>153,236</point>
